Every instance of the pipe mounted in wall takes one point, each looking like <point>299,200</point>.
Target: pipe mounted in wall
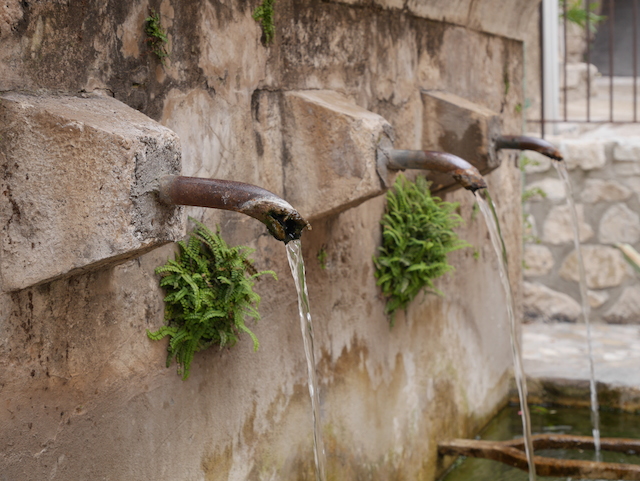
<point>282,220</point>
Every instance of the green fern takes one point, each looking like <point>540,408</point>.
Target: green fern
<point>417,235</point>
<point>209,288</point>
<point>264,14</point>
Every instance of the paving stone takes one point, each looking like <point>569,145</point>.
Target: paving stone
<point>604,266</point>
<point>553,189</point>
<point>541,303</point>
<point>558,226</point>
<point>588,155</point>
<point>626,309</point>
<point>619,224</point>
<point>538,260</point>
<point>598,190</point>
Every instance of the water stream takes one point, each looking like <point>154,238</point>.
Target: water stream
<point>489,212</point>
<point>586,309</point>
<point>296,263</point>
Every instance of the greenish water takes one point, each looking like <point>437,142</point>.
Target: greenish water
<point>554,420</point>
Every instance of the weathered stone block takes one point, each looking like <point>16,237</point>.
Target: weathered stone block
<point>619,224</point>
<point>604,267</point>
<point>597,298</point>
<point>538,260</point>
<point>327,147</point>
<point>626,150</point>
<point>552,189</point>
<point>558,226</point>
<point>537,162</point>
<point>598,190</point>
<point>78,186</point>
<point>626,310</point>
<point>588,155</point>
<point>463,128</point>
<point>544,304</point>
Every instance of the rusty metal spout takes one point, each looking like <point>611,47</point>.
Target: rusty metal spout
<point>462,171</point>
<point>282,220</point>
<point>523,142</point>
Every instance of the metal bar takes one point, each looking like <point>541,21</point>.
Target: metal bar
<point>566,57</point>
<point>588,31</point>
<point>611,45</point>
<point>635,59</point>
<point>542,72</point>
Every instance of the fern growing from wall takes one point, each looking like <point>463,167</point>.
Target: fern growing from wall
<point>209,288</point>
<point>417,235</point>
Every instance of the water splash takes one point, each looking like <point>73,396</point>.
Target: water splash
<point>296,263</point>
<point>586,309</point>
<point>491,218</point>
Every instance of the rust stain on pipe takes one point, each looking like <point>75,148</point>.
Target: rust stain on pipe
<point>282,220</point>
<point>461,170</point>
<point>523,142</point>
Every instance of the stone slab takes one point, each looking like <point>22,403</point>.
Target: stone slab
<point>78,180</point>
<point>327,144</point>
<point>460,127</point>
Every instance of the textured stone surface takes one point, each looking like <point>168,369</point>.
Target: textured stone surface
<point>626,150</point>
<point>86,395</point>
<point>597,298</point>
<point>588,155</point>
<point>342,139</point>
<point>558,226</point>
<point>455,125</point>
<point>544,304</point>
<point>604,266</point>
<point>79,183</point>
<point>552,188</point>
<point>619,224</point>
<point>626,309</point>
<point>536,162</point>
<point>598,190</point>
<point>538,260</point>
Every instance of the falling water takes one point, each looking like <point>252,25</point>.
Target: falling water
<point>296,263</point>
<point>489,212</point>
<point>586,310</point>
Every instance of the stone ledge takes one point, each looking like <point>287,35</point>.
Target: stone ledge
<point>78,186</point>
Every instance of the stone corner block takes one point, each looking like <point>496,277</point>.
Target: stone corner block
<point>626,150</point>
<point>460,127</point>
<point>330,155</point>
<point>78,185</point>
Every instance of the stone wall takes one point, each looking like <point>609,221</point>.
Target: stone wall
<point>86,395</point>
<point>605,174</point>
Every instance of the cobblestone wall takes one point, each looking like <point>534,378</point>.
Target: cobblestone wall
<point>605,174</point>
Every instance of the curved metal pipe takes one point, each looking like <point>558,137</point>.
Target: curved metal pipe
<point>282,220</point>
<point>461,170</point>
<point>523,142</point>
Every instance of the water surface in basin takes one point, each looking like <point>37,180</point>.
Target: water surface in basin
<point>554,420</point>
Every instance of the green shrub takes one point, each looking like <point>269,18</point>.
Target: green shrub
<point>264,14</point>
<point>209,290</point>
<point>416,238</point>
